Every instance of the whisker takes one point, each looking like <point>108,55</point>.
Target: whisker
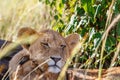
<point>6,75</point>
<point>16,72</point>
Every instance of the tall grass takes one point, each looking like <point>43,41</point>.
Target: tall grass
<point>15,14</point>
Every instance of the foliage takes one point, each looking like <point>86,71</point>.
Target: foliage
<point>87,16</point>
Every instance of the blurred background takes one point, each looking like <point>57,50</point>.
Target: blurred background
<point>15,14</point>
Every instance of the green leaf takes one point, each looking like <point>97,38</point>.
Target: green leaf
<point>111,41</point>
<point>80,11</point>
<point>96,38</point>
<point>118,29</point>
<point>56,17</point>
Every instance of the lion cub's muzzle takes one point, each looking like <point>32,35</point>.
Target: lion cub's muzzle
<point>55,64</point>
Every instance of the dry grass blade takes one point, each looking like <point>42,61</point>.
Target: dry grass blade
<point>15,78</point>
<point>6,75</point>
<point>6,50</point>
<point>110,13</point>
<point>115,55</point>
<point>3,45</point>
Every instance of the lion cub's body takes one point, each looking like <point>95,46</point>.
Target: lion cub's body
<point>92,74</point>
<point>49,45</point>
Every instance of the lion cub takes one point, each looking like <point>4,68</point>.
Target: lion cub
<point>45,56</point>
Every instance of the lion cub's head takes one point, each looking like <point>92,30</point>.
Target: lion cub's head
<point>50,45</point>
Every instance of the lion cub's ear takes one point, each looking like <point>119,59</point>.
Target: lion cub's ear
<point>26,36</point>
<point>72,40</point>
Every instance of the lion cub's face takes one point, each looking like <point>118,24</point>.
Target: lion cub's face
<point>50,45</point>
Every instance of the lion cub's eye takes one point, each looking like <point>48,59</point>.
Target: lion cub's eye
<point>62,46</point>
<point>46,45</point>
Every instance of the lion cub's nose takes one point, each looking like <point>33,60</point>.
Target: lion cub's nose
<point>56,59</point>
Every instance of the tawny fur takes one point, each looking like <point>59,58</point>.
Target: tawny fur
<point>39,51</point>
<point>92,74</point>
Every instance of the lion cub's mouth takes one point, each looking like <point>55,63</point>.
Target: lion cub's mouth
<point>55,66</point>
<point>54,69</point>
